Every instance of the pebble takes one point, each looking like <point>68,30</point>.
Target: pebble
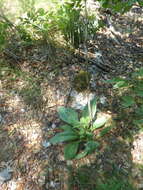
<point>54,126</point>
<point>80,99</point>
<point>13,185</point>
<point>69,162</point>
<point>41,181</point>
<point>22,110</point>
<point>52,184</point>
<point>61,157</point>
<point>46,144</point>
<point>103,100</point>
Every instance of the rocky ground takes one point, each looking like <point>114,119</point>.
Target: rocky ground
<point>30,94</point>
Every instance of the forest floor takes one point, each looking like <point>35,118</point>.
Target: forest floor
<point>30,94</point>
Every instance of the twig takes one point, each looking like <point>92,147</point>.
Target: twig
<point>12,55</point>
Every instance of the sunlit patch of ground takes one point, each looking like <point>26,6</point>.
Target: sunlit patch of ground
<point>137,155</point>
<point>137,151</point>
<point>24,132</point>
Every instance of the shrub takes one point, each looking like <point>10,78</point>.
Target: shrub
<point>72,22</point>
<point>37,25</point>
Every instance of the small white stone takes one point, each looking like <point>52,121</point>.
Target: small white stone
<point>54,126</point>
<point>10,109</point>
<point>46,144</point>
<point>52,184</point>
<point>103,99</point>
<point>13,185</point>
<point>22,110</point>
<point>80,99</point>
<point>69,162</point>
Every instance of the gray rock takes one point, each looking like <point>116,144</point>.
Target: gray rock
<point>46,144</point>
<point>79,100</point>
<point>54,126</point>
<point>103,100</point>
<point>5,175</point>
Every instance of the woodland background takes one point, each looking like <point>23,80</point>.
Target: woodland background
<point>71,53</point>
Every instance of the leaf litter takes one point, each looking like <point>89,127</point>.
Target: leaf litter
<point>27,121</point>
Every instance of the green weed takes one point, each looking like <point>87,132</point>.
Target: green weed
<point>79,132</point>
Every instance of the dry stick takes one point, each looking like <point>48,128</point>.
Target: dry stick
<point>105,68</point>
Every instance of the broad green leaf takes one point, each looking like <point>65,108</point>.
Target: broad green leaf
<point>70,150</point>
<point>121,84</point>
<point>138,73</point>
<point>116,80</point>
<point>64,136</point>
<point>139,111</point>
<point>138,89</point>
<point>127,101</point>
<point>140,84</point>
<point>91,146</point>
<point>93,105</point>
<point>138,92</point>
<point>99,122</point>
<point>82,132</point>
<point>105,131</point>
<point>118,7</point>
<point>84,121</point>
<point>140,2</point>
<point>68,115</point>
<point>138,122</point>
<point>66,128</point>
<point>89,135</point>
<point>81,155</point>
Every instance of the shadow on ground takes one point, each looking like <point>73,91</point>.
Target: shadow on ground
<point>30,95</point>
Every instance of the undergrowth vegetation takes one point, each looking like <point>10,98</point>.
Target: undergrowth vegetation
<point>72,20</point>
<point>130,92</point>
<point>70,24</point>
<point>79,132</point>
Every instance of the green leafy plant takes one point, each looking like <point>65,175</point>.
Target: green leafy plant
<point>119,6</point>
<point>4,33</point>
<point>37,25</point>
<point>72,22</point>
<point>78,133</point>
<point>69,21</point>
<point>131,90</point>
